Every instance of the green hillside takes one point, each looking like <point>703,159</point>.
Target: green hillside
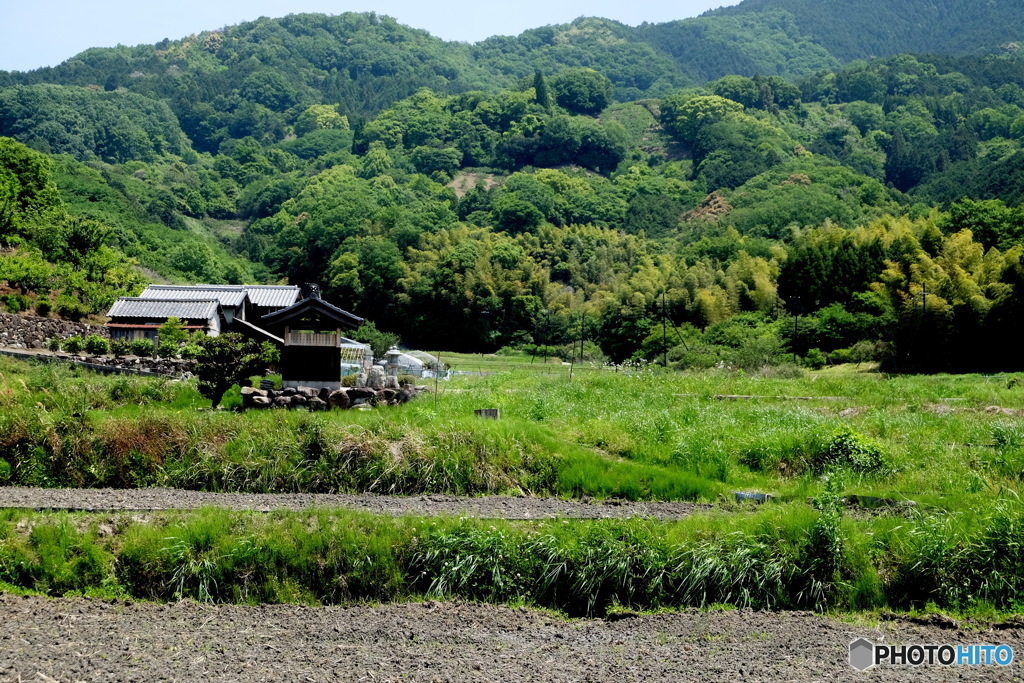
<point>873,28</point>
<point>870,211</point>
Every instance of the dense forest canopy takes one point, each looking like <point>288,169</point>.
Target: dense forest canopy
<point>580,182</point>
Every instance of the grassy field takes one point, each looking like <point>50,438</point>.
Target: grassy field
<point>954,442</point>
<point>944,453</point>
<point>490,363</point>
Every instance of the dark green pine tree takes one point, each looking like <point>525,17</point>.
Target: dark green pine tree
<point>541,87</point>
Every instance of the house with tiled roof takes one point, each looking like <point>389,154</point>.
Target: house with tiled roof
<point>210,308</point>
<point>138,318</point>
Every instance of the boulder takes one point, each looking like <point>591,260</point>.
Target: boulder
<point>317,403</point>
<point>260,402</point>
<point>299,400</point>
<point>324,394</point>
<point>308,392</point>
<point>248,393</point>
<point>340,399</point>
<point>356,393</point>
<point>283,401</point>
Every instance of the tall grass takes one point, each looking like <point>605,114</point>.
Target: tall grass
<point>638,435</point>
<point>786,557</point>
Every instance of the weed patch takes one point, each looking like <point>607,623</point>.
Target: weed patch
<point>789,557</point>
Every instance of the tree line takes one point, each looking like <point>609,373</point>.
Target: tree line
<point>869,212</point>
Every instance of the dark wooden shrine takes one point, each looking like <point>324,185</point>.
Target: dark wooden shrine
<point>311,330</point>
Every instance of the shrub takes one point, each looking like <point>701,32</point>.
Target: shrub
<point>142,347</point>
<point>73,344</point>
<point>825,546</point>
<point>43,307</point>
<point>849,449</point>
<point>16,303</point>
<point>120,347</point>
<point>815,359</point>
<point>167,349</point>
<point>191,351</point>
<point>5,471</point>
<point>232,398</point>
<point>97,345</point>
<point>53,343</point>
<point>71,308</point>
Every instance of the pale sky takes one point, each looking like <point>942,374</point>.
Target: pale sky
<point>47,32</point>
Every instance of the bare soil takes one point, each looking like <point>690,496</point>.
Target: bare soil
<point>464,182</point>
<point>490,507</point>
<point>81,640</point>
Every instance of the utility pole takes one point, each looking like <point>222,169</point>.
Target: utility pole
<point>796,331</point>
<point>437,373</point>
<point>795,305</point>
<point>583,331</point>
<point>664,333</point>
<point>572,357</point>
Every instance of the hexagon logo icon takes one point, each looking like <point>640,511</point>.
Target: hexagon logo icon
<point>862,654</point>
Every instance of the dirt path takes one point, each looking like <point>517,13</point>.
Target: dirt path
<point>494,507</point>
<point>81,640</point>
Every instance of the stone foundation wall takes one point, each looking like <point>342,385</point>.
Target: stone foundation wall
<point>168,367</point>
<point>32,332</point>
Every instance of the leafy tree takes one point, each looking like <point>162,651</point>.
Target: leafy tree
<point>990,221</point>
<point>514,215</point>
<point>380,341</point>
<point>320,117</point>
<point>582,91</point>
<point>270,89</point>
<point>120,347</point>
<point>172,331</point>
<point>687,116</point>
<point>229,359</point>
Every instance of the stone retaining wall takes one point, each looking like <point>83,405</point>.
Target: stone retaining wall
<point>325,399</point>
<point>169,367</point>
<point>32,332</point>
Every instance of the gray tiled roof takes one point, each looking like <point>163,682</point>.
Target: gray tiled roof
<point>267,296</point>
<point>186,309</point>
<point>272,296</point>
<point>228,295</point>
<point>312,308</point>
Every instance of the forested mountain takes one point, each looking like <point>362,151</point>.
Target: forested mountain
<point>875,28</point>
<point>365,62</point>
<point>570,182</point>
